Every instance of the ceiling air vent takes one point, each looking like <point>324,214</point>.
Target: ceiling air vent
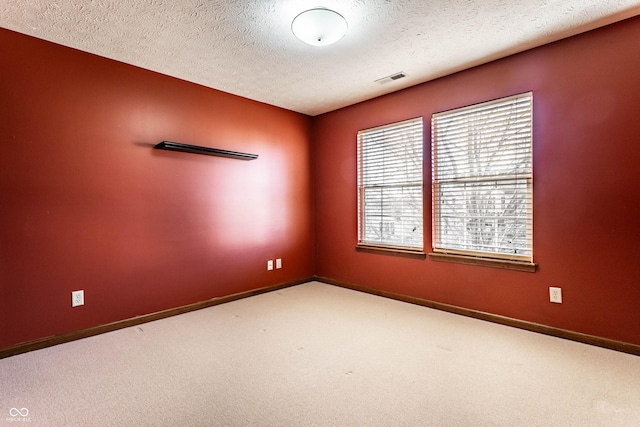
<point>392,77</point>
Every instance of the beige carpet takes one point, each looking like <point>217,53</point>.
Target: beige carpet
<point>319,355</point>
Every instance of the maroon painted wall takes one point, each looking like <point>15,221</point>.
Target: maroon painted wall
<point>586,187</point>
<point>86,203</point>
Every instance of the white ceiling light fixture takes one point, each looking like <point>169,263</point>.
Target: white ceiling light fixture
<point>319,26</point>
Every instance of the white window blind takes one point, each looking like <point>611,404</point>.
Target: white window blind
<point>390,185</point>
<point>482,179</point>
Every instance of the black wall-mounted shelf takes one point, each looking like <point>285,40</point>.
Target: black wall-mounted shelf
<point>186,148</point>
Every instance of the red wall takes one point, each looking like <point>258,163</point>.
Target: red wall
<point>586,187</point>
<point>86,203</point>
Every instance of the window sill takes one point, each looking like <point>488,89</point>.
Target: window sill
<point>392,250</point>
<point>485,262</point>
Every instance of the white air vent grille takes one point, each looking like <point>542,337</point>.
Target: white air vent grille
<point>392,77</point>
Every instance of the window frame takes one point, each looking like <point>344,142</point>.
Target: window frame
<point>440,251</point>
<point>369,245</point>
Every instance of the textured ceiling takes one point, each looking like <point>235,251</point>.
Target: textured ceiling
<point>247,48</point>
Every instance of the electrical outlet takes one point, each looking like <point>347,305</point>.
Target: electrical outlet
<point>279,263</point>
<point>555,295</point>
<point>77,298</point>
<point>270,264</point>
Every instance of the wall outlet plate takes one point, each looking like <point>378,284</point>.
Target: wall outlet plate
<point>279,263</point>
<point>270,264</point>
<point>555,295</point>
<point>77,298</point>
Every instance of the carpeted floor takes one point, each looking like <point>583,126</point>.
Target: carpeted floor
<point>320,355</point>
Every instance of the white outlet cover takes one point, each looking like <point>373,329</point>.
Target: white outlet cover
<point>279,263</point>
<point>77,298</point>
<point>270,264</point>
<point>555,295</point>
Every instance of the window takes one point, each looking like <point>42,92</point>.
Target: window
<point>482,180</point>
<point>390,186</point>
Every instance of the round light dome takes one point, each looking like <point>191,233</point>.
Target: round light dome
<point>319,27</point>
